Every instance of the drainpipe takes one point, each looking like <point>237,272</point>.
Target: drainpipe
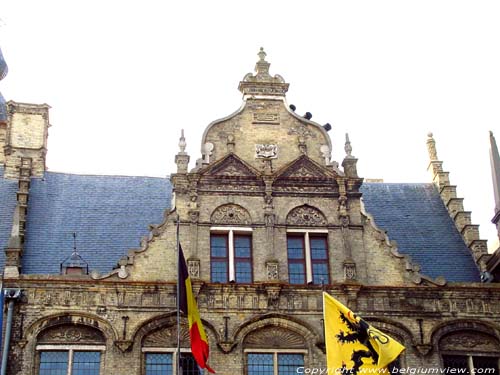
<point>11,295</point>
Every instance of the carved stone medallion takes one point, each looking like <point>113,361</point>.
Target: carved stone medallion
<point>231,214</point>
<point>306,215</point>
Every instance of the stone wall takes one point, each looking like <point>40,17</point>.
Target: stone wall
<point>133,316</point>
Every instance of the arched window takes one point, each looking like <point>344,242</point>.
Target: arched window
<point>70,349</point>
<point>159,349</point>
<point>470,351</point>
<point>274,351</point>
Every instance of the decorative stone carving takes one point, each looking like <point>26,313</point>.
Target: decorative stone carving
<point>302,145</point>
<point>230,143</point>
<point>65,334</point>
<point>468,341</point>
<point>274,337</point>
<point>266,118</point>
<point>167,337</point>
<point>231,214</point>
<point>227,346</point>
<point>231,166</point>
<point>350,271</point>
<point>124,345</point>
<point>262,83</point>
<point>273,297</point>
<point>431,147</point>
<point>326,153</point>
<point>272,270</point>
<point>266,151</point>
<point>194,268</point>
<point>306,216</point>
<point>207,152</point>
<point>301,130</point>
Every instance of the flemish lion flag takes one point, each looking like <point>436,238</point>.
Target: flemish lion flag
<point>187,304</point>
<point>352,345</point>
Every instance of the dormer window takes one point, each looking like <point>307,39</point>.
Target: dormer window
<point>231,255</point>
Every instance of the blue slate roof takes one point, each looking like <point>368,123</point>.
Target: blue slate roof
<point>8,189</point>
<point>414,215</point>
<point>110,214</point>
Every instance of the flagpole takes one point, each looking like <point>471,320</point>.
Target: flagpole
<point>179,368</point>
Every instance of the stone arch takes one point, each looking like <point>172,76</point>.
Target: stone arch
<point>466,343</point>
<point>70,320</point>
<point>88,328</point>
<point>231,214</point>
<point>254,329</point>
<point>306,215</point>
<point>163,330</point>
<point>478,326</point>
<point>71,333</point>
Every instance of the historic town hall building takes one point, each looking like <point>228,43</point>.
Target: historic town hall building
<point>268,220</point>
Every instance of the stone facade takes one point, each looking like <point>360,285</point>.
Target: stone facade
<point>265,172</point>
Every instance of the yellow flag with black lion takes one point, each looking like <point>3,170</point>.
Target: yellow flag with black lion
<point>352,345</point>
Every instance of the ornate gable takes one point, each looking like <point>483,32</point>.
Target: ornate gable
<point>230,166</point>
<point>304,167</point>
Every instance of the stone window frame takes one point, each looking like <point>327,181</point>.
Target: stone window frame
<point>275,353</point>
<point>162,350</point>
<point>70,348</point>
<point>230,232</point>
<point>306,235</point>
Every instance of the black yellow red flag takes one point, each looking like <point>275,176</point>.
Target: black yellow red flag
<point>352,345</point>
<point>187,304</point>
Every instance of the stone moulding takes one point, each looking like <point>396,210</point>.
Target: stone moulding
<point>412,268</point>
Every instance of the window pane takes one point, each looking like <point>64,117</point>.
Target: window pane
<point>219,271</point>
<point>86,363</point>
<point>455,362</point>
<point>242,246</point>
<point>288,363</point>
<point>53,363</point>
<point>159,364</point>
<point>218,246</point>
<point>189,365</point>
<point>243,272</point>
<point>488,364</point>
<point>320,273</point>
<point>295,248</point>
<point>318,249</point>
<point>296,273</point>
<point>260,364</point>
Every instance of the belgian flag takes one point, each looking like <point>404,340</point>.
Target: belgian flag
<point>352,345</point>
<point>187,304</point>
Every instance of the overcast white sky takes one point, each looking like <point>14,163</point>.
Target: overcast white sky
<point>123,77</point>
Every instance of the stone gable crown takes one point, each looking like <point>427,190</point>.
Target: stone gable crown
<point>262,83</point>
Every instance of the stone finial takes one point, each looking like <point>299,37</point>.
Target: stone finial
<point>431,147</point>
<point>350,162</point>
<point>348,147</point>
<point>182,158</point>
<point>262,83</point>
<point>182,143</point>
